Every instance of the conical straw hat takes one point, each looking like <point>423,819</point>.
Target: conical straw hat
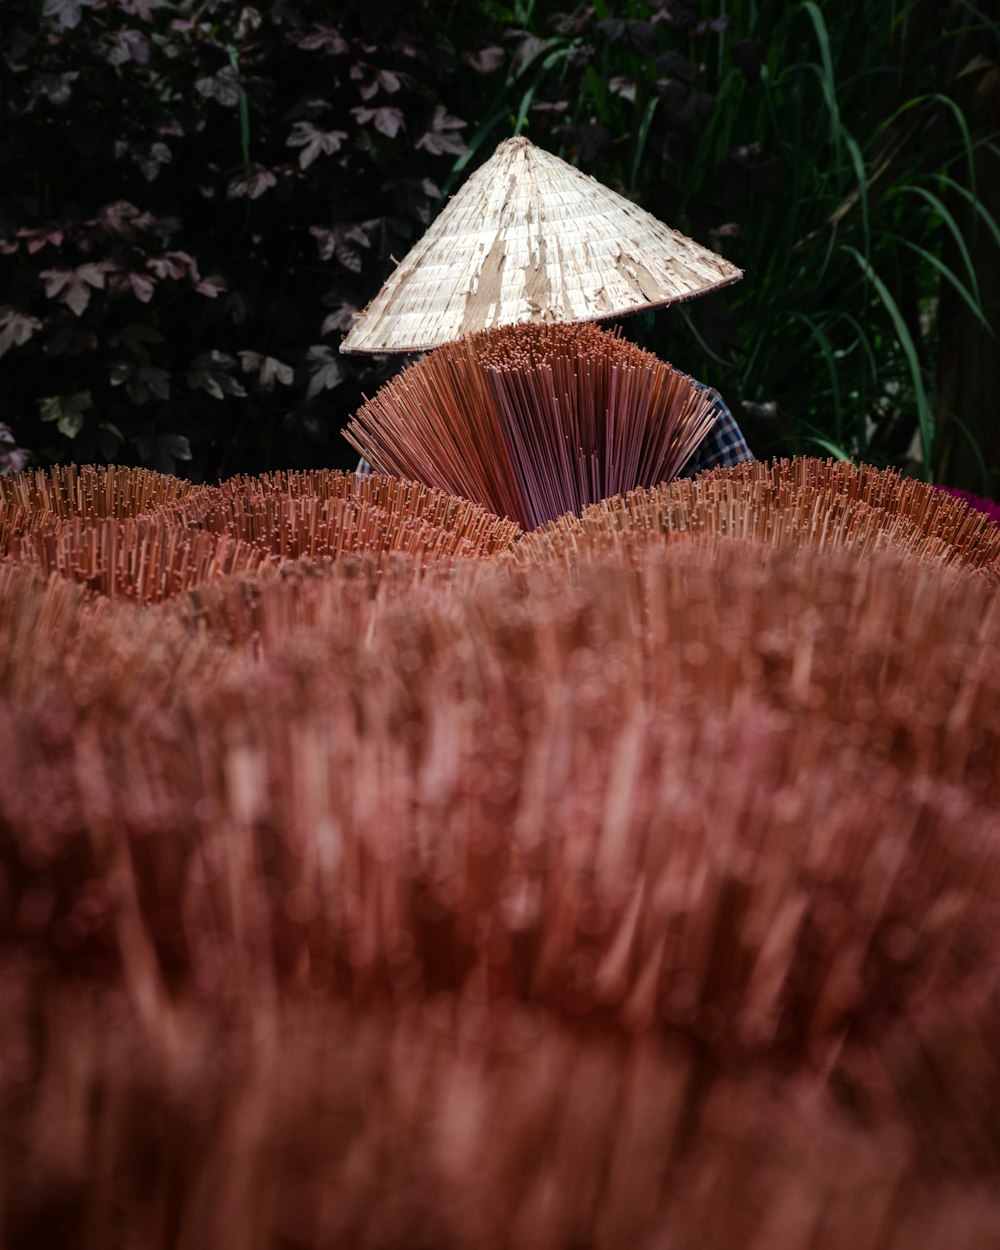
<point>530,238</point>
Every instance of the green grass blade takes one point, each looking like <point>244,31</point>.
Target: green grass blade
<point>840,453</point>
<point>642,135</point>
<point>826,348</point>
<point>924,416</point>
<point>938,205</point>
<point>977,451</point>
<point>976,203</point>
<point>971,299</point>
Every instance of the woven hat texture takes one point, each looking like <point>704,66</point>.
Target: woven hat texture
<point>531,239</point>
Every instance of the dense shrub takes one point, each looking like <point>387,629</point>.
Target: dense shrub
<point>194,200</point>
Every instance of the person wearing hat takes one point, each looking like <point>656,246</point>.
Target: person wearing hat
<point>531,239</point>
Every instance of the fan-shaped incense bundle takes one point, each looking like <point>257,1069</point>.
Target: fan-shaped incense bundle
<point>801,502</point>
<point>535,421</point>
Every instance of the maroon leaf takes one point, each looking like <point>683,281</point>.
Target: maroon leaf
<point>71,338</point>
<point>128,45</point>
<point>211,286</point>
<point>56,87</point>
<point>223,87</point>
<point>268,368</point>
<point>73,285</point>
<point>109,439</point>
<point>441,137</point>
<point>137,283</point>
<point>625,87</point>
<point>172,265</point>
<point>135,336</point>
<point>327,370</point>
<point>342,242</point>
<point>325,39</point>
<point>118,218</point>
<point>247,23</point>
<point>37,237</point>
<point>66,12</point>
<point>212,372</point>
<point>16,328</point>
<point>142,9</point>
<point>141,381</point>
<point>12,458</point>
<point>66,410</point>
<point>261,179</point>
<point>314,142</point>
<point>486,60</point>
<point>388,121</point>
<point>340,320</point>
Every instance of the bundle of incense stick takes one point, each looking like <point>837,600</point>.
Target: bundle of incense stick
<point>801,502</point>
<point>331,514</point>
<point>446,1124</point>
<point>522,785</point>
<point>145,559</point>
<point>535,421</point>
<point>92,490</point>
<point>620,895</point>
<point>264,610</point>
<point>68,525</point>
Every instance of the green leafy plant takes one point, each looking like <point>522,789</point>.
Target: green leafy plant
<point>824,149</point>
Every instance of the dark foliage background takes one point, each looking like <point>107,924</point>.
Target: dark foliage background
<point>195,196</point>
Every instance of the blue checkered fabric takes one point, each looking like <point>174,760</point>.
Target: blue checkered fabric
<point>722,447</point>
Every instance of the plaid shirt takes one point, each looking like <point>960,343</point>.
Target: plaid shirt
<point>721,448</point>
